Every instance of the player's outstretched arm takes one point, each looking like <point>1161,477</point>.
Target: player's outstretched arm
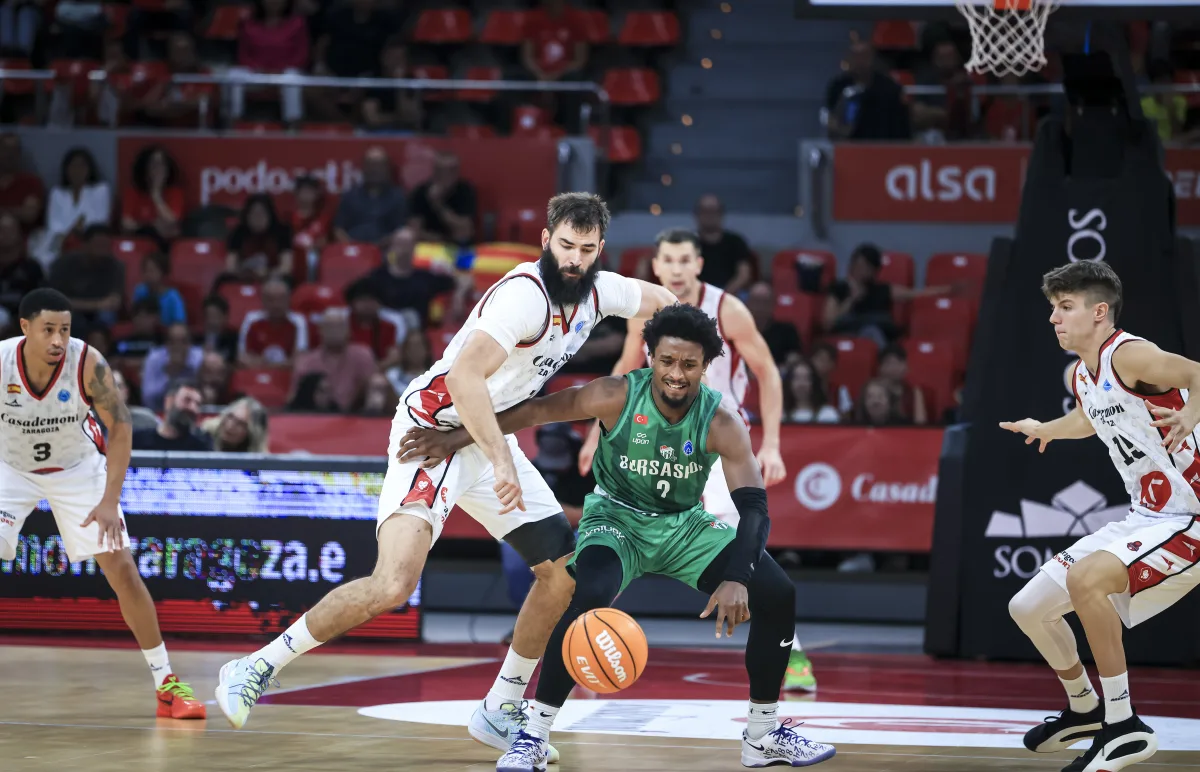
<point>654,298</point>
<point>743,334</point>
<point>101,389</point>
<point>1145,364</point>
<point>1073,426</point>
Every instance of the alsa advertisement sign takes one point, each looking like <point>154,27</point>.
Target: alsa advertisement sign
<point>961,183</point>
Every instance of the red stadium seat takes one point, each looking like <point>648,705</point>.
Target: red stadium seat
<point>470,131</point>
<point>947,268</point>
<point>896,35</point>
<point>632,86</point>
<point>198,261</point>
<point>520,225</point>
<point>479,95</point>
<point>227,21</point>
<point>856,362</point>
<point>904,77</point>
<point>336,128</point>
<point>799,310</point>
<point>897,268</point>
<point>193,302</point>
<point>74,72</point>
<point>17,87</point>
<point>635,262</point>
<point>258,127</point>
<point>439,339</point>
<point>311,300</point>
<point>446,25</point>
<point>649,28</point>
<point>432,72</point>
<point>947,319</point>
<point>931,366</point>
<point>116,14</point>
<point>131,252</point>
<point>624,143</point>
<point>269,385</point>
<point>242,299</point>
<point>595,25</point>
<point>527,118</point>
<point>504,27</point>
<point>341,264</point>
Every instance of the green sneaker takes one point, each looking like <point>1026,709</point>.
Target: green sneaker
<point>799,674</point>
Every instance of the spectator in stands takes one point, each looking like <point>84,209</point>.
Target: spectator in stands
<point>80,199</point>
<point>1168,111</point>
<point>379,329</point>
<point>182,105</point>
<point>444,208</point>
<point>393,109</point>
<point>909,399</point>
<point>415,358</point>
<point>169,16</point>
<point>804,400</point>
<point>80,25</point>
<point>312,395</point>
<point>273,40</point>
<point>346,365</point>
<point>402,287</point>
<point>824,359</point>
<point>19,273</point>
<point>945,116</point>
<point>181,409</point>
<point>556,49</point>
<point>19,23</point>
<point>112,97</point>
<point>21,193</point>
<point>374,210</point>
<point>273,336</point>
<point>153,207</point>
<point>877,405</point>
<point>100,339</point>
<point>92,278</point>
<point>176,358</point>
<point>143,337</point>
<point>155,270</point>
<point>380,399</point>
<point>782,337</point>
<point>728,261</point>
<point>349,45</point>
<point>863,103</point>
<point>310,220</point>
<point>1010,118</point>
<point>143,417</point>
<point>217,336</point>
<point>240,428</point>
<point>213,378</point>
<point>261,245</point>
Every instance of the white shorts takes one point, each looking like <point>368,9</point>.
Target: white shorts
<point>717,501</point>
<point>465,479</point>
<point>1160,552</point>
<point>72,493</point>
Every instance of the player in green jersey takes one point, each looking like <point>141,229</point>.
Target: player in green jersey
<point>662,430</point>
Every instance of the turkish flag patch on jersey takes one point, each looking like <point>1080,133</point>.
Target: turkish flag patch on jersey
<point>638,418</point>
<point>423,490</point>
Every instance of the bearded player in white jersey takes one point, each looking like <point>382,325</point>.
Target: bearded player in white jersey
<point>53,449</point>
<point>677,264</point>
<point>1134,396</point>
<point>517,337</point>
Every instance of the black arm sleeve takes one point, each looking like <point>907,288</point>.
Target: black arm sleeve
<point>752,533</point>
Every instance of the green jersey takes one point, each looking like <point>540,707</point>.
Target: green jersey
<point>650,465</point>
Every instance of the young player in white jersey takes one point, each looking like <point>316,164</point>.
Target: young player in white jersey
<point>517,337</point>
<point>52,448</point>
<point>677,264</point>
<point>1134,396</point>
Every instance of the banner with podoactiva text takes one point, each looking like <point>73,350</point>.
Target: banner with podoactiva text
<point>961,183</point>
<point>224,170</point>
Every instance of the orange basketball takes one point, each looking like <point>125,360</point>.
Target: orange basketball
<point>605,650</point>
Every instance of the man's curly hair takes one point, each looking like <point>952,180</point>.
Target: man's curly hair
<point>686,323</point>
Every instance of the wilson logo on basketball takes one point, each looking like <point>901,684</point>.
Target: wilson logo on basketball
<point>608,649</point>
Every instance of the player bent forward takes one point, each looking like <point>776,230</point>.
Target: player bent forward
<point>52,448</point>
<point>662,432</point>
<point>1134,396</point>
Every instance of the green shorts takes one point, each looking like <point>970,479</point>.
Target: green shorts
<point>680,545</point>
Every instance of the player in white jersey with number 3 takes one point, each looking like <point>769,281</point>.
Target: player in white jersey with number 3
<point>1134,397</point>
<point>52,448</point>
<point>677,264</point>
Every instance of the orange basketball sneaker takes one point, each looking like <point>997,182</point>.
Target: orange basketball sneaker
<point>177,700</point>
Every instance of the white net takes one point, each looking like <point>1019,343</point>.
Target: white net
<point>1005,39</point>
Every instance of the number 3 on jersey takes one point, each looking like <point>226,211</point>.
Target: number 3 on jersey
<point>41,451</point>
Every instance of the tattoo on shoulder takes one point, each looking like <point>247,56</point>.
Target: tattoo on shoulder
<point>103,391</point>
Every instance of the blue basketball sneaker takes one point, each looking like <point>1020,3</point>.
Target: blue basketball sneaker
<point>499,728</point>
<point>783,745</point>
<point>527,753</point>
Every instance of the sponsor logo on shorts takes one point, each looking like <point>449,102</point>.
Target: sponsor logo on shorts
<point>7,518</point>
<point>1170,563</point>
<point>667,452</point>
<point>604,529</point>
<point>443,495</point>
<point>638,418</point>
<point>1064,558</point>
<point>1134,546</point>
<point>422,491</point>
<point>1144,574</point>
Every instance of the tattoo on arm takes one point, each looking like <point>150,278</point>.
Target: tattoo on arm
<point>104,394</point>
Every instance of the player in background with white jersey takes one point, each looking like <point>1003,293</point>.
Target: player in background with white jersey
<point>1134,396</point>
<point>52,448</point>
<point>517,337</point>
<point>677,264</point>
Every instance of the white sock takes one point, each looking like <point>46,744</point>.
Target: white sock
<point>511,681</point>
<point>1118,705</point>
<point>291,644</point>
<point>541,718</point>
<point>1081,693</point>
<point>761,719</point>
<point>160,664</point>
<point>796,642</point>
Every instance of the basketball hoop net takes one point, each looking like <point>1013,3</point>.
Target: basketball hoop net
<point>1007,36</point>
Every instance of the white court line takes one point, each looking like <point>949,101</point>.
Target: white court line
<point>605,743</point>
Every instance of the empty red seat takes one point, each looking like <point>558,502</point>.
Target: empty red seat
<point>594,24</point>
<point>227,21</point>
<point>649,28</point>
<point>931,366</point>
<point>337,128</point>
<point>74,72</point>
<point>897,35</point>
<point>17,86</point>
<point>432,72</point>
<point>947,319</point>
<point>242,299</point>
<point>131,252</point>
<point>632,86</point>
<point>479,95</point>
<point>897,268</point>
<point>341,264</point>
<point>198,261</point>
<point>310,300</point>
<point>635,262</point>
<point>504,27</point>
<point>193,301</point>
<point>269,385</point>
<point>950,268</point>
<point>856,362</point>
<point>798,309</point>
<point>624,143</point>
<point>444,25</point>
<point>809,270</point>
<point>520,225</point>
<point>258,127</point>
<point>470,131</point>
<point>526,118</point>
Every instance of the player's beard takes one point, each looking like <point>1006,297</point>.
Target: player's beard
<point>566,289</point>
<point>182,420</point>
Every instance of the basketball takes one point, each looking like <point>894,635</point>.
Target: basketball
<point>605,650</point>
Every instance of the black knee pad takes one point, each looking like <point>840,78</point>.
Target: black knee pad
<point>543,540</point>
<point>598,574</point>
<point>771,590</point>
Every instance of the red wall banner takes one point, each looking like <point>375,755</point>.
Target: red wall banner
<point>848,488</point>
<point>961,183</point>
<point>224,170</point>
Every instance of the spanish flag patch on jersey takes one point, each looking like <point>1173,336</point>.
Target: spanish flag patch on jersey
<point>14,388</point>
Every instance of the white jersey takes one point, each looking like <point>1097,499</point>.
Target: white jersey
<point>539,337</point>
<point>53,430</point>
<point>1160,484</point>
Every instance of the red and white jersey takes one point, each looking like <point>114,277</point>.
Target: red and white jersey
<point>53,430</point>
<point>539,337</point>
<point>1159,483</point>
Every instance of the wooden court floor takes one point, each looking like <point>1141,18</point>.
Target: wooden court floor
<point>76,708</point>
